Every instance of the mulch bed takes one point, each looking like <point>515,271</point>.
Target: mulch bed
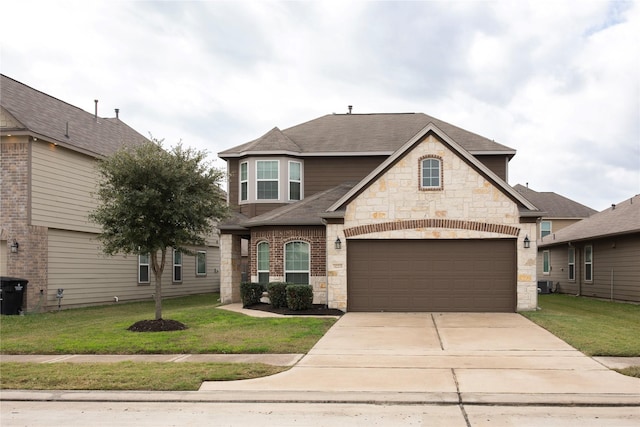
<point>160,325</point>
<point>316,310</point>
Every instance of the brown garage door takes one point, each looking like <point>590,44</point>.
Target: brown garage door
<point>431,275</point>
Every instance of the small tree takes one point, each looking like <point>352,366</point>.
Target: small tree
<point>150,199</point>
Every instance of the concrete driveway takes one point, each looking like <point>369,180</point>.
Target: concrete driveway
<point>443,357</point>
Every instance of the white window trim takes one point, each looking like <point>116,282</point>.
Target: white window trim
<point>245,181</point>
<point>550,228</point>
<point>299,181</point>
<point>589,263</point>
<point>308,271</point>
<point>268,180</point>
<point>147,264</point>
<point>569,264</point>
<point>440,185</point>
<point>173,261</point>
<point>198,273</point>
<point>258,259</point>
<point>547,255</point>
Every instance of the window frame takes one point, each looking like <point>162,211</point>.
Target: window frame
<point>147,265</point>
<point>421,175</point>
<point>288,271</point>
<point>542,230</point>
<point>293,181</point>
<point>176,266</point>
<point>571,264</point>
<point>276,180</point>
<point>261,271</point>
<point>198,255</point>
<point>546,263</point>
<point>244,183</point>
<point>588,263</point>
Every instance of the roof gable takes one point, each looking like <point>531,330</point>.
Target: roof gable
<point>57,121</point>
<point>455,148</point>
<point>621,218</point>
<point>342,134</point>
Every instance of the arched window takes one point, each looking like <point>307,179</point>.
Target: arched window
<point>431,173</point>
<point>296,263</point>
<point>263,262</point>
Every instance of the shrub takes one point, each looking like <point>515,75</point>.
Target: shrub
<point>299,297</point>
<point>250,293</point>
<point>278,294</point>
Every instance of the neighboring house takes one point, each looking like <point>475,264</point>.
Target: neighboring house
<point>48,155</point>
<point>557,211</point>
<point>381,212</point>
<point>598,256</point>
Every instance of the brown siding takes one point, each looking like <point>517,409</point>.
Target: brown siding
<point>233,182</point>
<point>497,164</point>
<point>613,258</point>
<point>255,209</point>
<point>322,173</point>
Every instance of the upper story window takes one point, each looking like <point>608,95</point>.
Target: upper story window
<point>244,181</point>
<point>545,228</point>
<point>295,181</point>
<point>430,173</point>
<point>267,179</point>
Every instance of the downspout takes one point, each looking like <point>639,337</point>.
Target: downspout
<point>612,284</point>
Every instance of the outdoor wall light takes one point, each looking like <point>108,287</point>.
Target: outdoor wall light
<point>527,242</point>
<point>14,246</point>
<point>338,243</point>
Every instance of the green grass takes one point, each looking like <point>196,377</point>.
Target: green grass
<point>632,371</point>
<point>126,375</point>
<point>103,330</point>
<point>595,327</point>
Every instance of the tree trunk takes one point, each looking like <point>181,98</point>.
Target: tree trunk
<point>157,272</point>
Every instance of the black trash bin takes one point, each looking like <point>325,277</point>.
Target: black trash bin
<point>12,292</point>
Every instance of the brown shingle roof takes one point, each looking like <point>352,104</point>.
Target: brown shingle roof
<point>623,218</point>
<point>305,212</point>
<point>367,133</point>
<point>47,117</point>
<point>555,205</point>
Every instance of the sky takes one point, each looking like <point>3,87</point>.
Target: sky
<point>558,81</point>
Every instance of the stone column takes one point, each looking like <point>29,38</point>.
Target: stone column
<point>230,268</point>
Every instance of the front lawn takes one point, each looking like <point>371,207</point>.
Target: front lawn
<point>595,327</point>
<point>103,330</point>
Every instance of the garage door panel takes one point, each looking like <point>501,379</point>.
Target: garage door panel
<point>431,275</point>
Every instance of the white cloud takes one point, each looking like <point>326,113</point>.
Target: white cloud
<point>557,82</point>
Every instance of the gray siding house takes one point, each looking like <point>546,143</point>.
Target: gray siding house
<point>48,152</point>
<point>598,256</point>
<point>381,212</point>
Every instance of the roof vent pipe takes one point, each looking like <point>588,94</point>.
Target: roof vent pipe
<point>117,113</point>
<point>613,206</point>
<point>350,108</point>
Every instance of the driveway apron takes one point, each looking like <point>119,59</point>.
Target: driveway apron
<point>440,357</point>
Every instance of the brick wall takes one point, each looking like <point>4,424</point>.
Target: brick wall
<point>30,262</point>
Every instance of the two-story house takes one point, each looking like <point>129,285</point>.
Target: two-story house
<point>48,153</point>
<point>381,212</point>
